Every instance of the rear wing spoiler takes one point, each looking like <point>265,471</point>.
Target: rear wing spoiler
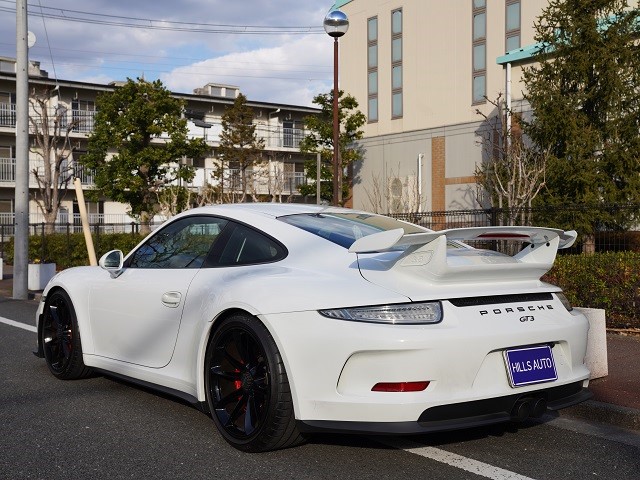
<point>383,241</point>
<point>426,255</point>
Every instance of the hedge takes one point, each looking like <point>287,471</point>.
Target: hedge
<point>609,280</point>
<point>69,250</point>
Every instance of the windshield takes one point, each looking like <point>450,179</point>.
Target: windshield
<point>345,228</point>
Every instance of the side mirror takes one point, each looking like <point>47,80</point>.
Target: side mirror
<point>112,262</point>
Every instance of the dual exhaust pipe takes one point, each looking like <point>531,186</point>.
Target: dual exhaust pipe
<point>528,407</point>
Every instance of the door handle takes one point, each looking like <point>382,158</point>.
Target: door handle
<point>171,299</point>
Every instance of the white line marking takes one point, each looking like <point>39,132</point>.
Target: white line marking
<point>13,323</point>
<point>454,460</point>
<point>592,428</point>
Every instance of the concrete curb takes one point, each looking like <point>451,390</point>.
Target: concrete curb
<point>623,417</point>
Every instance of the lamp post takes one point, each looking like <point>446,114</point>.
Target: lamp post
<point>336,25</point>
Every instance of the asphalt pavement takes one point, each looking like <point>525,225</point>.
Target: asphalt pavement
<point>616,397</point>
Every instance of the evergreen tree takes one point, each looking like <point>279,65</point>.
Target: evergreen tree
<point>586,107</point>
<point>240,150</point>
<point>320,140</point>
<point>143,123</point>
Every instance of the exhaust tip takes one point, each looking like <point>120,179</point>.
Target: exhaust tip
<point>539,407</point>
<point>522,410</point>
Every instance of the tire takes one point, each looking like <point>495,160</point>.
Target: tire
<point>247,388</point>
<point>60,338</point>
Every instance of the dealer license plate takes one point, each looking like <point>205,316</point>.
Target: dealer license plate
<point>529,365</point>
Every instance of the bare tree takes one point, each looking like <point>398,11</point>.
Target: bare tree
<point>275,178</point>
<point>207,195</point>
<point>240,150</point>
<point>398,195</point>
<point>512,173</point>
<point>173,199</point>
<point>377,194</point>
<point>50,129</point>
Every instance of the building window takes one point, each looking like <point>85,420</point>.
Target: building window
<point>396,63</point>
<point>7,66</point>
<point>512,25</point>
<point>82,115</point>
<point>479,51</point>
<point>372,69</point>
<point>292,133</point>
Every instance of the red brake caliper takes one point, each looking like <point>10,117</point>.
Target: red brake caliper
<point>237,383</point>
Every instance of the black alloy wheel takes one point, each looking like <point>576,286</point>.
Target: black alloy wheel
<point>60,338</point>
<point>247,388</point>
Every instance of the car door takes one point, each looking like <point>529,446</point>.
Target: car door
<point>136,317</point>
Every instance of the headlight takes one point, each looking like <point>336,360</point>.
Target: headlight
<point>400,314</point>
<point>564,301</point>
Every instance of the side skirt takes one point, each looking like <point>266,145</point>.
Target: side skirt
<point>202,406</point>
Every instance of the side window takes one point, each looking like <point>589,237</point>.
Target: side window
<point>184,243</point>
<point>247,246</point>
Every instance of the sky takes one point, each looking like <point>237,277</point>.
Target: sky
<point>274,50</point>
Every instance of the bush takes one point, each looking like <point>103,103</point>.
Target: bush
<point>608,280</point>
<point>69,250</point>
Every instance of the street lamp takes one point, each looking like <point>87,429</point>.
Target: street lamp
<point>336,25</point>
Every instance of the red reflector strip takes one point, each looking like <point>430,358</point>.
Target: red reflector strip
<point>503,236</point>
<point>400,387</point>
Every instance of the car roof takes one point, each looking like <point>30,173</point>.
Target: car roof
<point>268,209</point>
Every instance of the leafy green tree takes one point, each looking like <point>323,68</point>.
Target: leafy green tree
<point>586,107</point>
<point>320,140</point>
<point>144,125</point>
<point>240,150</point>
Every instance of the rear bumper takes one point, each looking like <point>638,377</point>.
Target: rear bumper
<point>457,416</point>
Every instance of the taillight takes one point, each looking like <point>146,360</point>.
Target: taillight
<point>400,386</point>
<point>418,313</point>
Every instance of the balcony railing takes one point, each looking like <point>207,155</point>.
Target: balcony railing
<point>86,176</point>
<point>292,180</point>
<point>8,172</point>
<point>7,169</point>
<point>292,137</point>
<point>83,121</point>
<point>7,114</point>
<point>260,182</point>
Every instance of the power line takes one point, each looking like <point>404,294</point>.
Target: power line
<point>46,34</point>
<point>313,67</point>
<point>165,25</point>
<point>302,74</point>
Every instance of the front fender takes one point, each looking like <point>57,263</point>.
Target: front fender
<point>76,282</point>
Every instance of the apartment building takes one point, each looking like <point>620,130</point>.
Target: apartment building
<point>281,127</point>
<point>421,71</point>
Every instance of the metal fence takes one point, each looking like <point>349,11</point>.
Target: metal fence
<point>604,238</point>
<point>611,227</point>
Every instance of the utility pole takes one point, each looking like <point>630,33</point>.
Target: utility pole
<point>21,244</point>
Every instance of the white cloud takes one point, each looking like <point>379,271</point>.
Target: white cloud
<point>272,68</point>
<point>291,73</point>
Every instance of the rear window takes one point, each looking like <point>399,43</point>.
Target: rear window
<point>345,228</point>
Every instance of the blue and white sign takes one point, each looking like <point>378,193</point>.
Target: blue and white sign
<point>529,365</point>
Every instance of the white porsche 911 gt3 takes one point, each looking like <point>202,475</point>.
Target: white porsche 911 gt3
<point>282,320</point>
